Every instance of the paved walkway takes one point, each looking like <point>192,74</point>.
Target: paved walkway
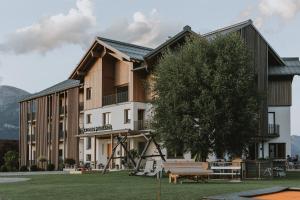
<point>5,174</point>
<point>12,180</point>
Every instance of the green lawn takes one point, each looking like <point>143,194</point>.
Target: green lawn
<point>118,185</point>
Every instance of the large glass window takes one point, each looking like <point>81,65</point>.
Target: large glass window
<point>277,150</point>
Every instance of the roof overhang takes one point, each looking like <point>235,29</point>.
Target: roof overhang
<point>291,68</point>
<point>97,50</point>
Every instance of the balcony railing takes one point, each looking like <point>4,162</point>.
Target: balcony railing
<point>31,138</point>
<point>61,134</point>
<point>142,125</point>
<point>81,106</point>
<point>62,110</point>
<point>273,130</point>
<point>115,98</point>
<point>31,116</point>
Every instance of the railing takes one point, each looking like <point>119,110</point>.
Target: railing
<point>115,98</point>
<point>81,106</point>
<point>273,130</point>
<point>61,134</point>
<point>142,125</point>
<point>62,110</point>
<point>31,116</point>
<point>31,138</point>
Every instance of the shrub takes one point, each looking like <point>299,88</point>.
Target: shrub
<point>23,168</point>
<point>69,162</point>
<point>3,168</point>
<point>50,167</point>
<point>34,168</point>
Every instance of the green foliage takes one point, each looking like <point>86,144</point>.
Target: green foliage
<point>50,167</point>
<point>34,168</point>
<point>205,97</point>
<point>70,161</point>
<point>23,168</point>
<point>3,168</point>
<point>11,160</point>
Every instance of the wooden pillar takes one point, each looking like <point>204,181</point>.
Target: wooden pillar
<point>111,149</point>
<point>65,125</point>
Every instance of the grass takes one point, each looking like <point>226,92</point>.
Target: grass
<point>118,185</point>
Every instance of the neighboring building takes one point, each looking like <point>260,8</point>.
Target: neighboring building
<point>107,96</point>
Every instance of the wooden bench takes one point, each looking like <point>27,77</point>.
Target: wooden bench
<point>187,169</point>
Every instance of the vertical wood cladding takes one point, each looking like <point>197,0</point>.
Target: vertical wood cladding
<point>73,126</point>
<point>23,134</point>
<point>41,127</point>
<point>280,92</point>
<point>54,130</point>
<point>259,50</point>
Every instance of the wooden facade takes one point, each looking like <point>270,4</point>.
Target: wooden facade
<point>259,51</point>
<point>46,140</point>
<point>280,91</point>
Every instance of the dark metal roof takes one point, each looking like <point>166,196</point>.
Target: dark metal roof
<point>227,29</point>
<point>292,68</point>
<point>64,85</point>
<point>133,51</point>
<point>186,30</point>
<point>236,27</point>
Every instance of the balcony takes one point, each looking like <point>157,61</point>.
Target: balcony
<point>62,110</point>
<point>142,125</point>
<point>115,98</point>
<point>81,106</point>
<point>31,138</point>
<point>273,130</point>
<point>61,135</point>
<point>31,116</point>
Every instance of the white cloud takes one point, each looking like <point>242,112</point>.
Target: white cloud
<point>51,32</point>
<point>265,10</point>
<point>148,30</point>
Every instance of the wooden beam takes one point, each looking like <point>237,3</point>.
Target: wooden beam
<point>126,150</point>
<point>137,167</point>
<point>95,151</point>
<point>98,54</point>
<point>158,148</point>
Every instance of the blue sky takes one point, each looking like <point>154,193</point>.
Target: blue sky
<point>42,41</point>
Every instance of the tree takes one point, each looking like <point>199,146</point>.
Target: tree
<point>205,97</point>
<point>235,88</point>
<point>182,100</point>
<point>11,160</point>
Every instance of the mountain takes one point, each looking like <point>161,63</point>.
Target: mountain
<point>9,111</point>
<point>295,140</point>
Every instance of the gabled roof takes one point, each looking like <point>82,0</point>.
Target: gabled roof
<point>133,51</point>
<point>228,29</point>
<point>291,68</point>
<point>186,31</point>
<point>238,26</point>
<point>64,85</point>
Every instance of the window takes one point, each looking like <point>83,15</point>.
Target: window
<point>106,118</point>
<point>88,157</point>
<point>60,153</point>
<point>89,118</point>
<point>127,114</point>
<point>88,93</point>
<point>88,143</point>
<point>271,118</point>
<point>277,150</point>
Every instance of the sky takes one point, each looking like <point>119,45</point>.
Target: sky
<point>41,42</point>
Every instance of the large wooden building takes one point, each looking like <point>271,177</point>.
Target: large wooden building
<point>106,97</point>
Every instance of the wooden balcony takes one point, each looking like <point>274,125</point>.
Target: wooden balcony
<point>115,98</point>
